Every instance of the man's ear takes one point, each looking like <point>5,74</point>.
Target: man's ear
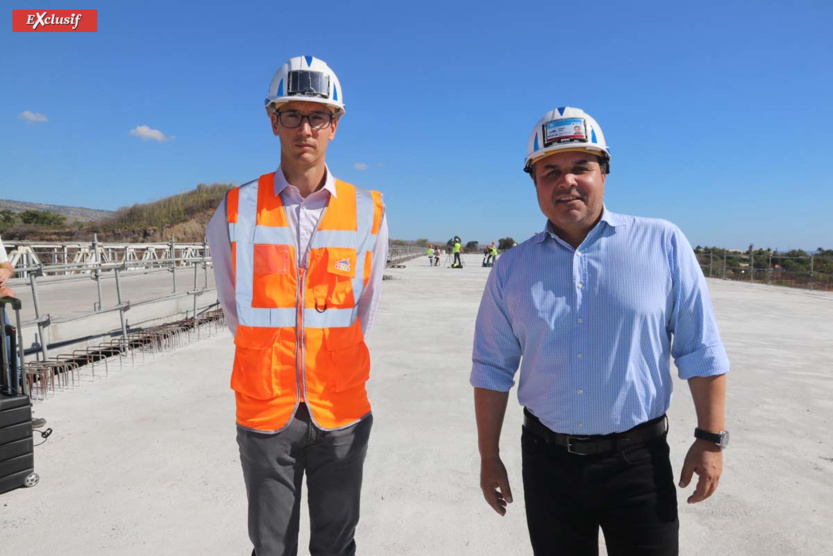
<point>333,127</point>
<point>274,118</point>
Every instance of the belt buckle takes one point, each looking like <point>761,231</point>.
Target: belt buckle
<point>570,444</point>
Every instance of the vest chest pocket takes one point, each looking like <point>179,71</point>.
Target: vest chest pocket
<point>349,357</point>
<point>257,363</point>
<point>334,289</point>
<point>273,276</point>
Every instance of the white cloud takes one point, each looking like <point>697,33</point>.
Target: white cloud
<point>360,166</point>
<point>150,134</point>
<point>32,117</point>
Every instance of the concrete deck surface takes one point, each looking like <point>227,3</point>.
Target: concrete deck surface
<point>145,461</point>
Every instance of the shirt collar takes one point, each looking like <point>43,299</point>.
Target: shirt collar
<point>613,220</point>
<point>608,217</point>
<point>329,182</point>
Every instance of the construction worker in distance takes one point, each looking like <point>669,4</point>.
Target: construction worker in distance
<point>430,255</point>
<point>457,263</point>
<point>593,309</point>
<point>492,254</point>
<point>298,260</point>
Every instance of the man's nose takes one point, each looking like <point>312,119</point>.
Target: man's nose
<point>305,129</point>
<point>566,181</point>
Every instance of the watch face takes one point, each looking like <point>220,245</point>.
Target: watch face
<point>724,439</point>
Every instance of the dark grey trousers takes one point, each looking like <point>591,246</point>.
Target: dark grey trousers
<point>273,467</point>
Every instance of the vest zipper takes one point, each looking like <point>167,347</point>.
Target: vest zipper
<point>302,281</point>
<point>299,344</point>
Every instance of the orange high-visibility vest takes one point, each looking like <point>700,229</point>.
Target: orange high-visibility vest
<point>298,337</point>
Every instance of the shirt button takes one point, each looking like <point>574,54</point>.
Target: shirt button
<point>580,425</point>
<point>579,356</point>
<point>581,391</point>
<point>578,286</point>
<point>578,253</point>
<point>580,321</point>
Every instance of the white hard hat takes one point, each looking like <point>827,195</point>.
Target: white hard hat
<point>308,79</point>
<point>565,129</point>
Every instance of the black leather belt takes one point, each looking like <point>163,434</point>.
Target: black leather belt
<point>597,444</point>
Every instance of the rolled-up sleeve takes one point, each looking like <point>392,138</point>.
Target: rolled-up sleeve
<point>497,352</point>
<point>697,348</point>
<point>369,300</point>
<point>218,241</point>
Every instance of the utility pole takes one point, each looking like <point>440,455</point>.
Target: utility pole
<point>812,284</point>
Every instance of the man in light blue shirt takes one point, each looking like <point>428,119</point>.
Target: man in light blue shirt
<point>588,309</point>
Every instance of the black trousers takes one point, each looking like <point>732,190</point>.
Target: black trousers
<point>629,494</point>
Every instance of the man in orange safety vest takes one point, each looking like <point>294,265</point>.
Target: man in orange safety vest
<point>298,261</point>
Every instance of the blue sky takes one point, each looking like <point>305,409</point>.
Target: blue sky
<point>718,114</point>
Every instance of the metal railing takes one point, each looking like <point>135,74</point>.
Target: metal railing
<point>94,260</point>
<point>400,253</point>
<point>811,272</point>
<point>68,259</point>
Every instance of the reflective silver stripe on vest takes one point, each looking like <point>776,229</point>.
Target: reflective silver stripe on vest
<point>370,243</point>
<point>244,232</point>
<point>334,238</point>
<point>365,208</point>
<point>273,235</point>
<point>241,232</point>
<point>268,318</point>
<point>331,318</point>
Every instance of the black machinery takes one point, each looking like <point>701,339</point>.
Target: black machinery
<point>17,456</point>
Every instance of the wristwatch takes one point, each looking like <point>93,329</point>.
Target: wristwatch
<point>721,438</point>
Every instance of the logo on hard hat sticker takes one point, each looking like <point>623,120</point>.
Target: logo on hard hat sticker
<point>54,21</point>
<point>566,130</point>
<point>343,265</point>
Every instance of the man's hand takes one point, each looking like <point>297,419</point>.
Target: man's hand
<point>6,291</point>
<point>495,484</point>
<point>705,459</point>
<point>5,274</point>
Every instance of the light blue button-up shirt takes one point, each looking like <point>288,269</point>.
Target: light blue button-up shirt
<point>592,327</point>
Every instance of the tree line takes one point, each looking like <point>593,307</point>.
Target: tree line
<point>36,218</point>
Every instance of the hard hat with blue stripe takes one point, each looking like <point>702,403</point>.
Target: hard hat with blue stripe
<point>308,79</point>
<point>565,129</point>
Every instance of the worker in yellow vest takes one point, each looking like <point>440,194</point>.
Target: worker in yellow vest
<point>455,249</point>
<point>298,260</point>
<point>492,254</point>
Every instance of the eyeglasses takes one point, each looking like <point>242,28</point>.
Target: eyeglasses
<point>317,120</point>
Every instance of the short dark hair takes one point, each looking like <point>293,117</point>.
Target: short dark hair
<point>604,164</point>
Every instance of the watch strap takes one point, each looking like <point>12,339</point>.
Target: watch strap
<point>706,435</point>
